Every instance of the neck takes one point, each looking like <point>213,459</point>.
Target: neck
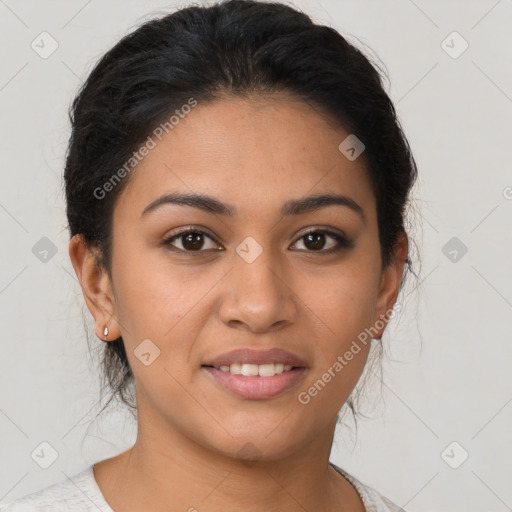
<point>193,477</point>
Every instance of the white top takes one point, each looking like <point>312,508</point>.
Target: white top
<point>81,493</point>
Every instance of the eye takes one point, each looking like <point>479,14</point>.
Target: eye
<point>195,240</point>
<point>317,240</point>
<point>191,240</point>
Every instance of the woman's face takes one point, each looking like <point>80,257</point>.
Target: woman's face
<point>251,279</point>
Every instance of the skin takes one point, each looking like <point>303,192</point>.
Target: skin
<point>254,154</point>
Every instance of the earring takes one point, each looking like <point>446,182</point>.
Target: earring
<point>105,333</point>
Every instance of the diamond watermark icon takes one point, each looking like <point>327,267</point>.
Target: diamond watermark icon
<point>249,249</point>
<point>44,45</point>
<point>250,453</point>
<point>44,454</point>
<point>454,45</point>
<point>351,147</point>
<point>454,455</point>
<point>146,352</point>
<point>44,250</point>
<point>454,249</point>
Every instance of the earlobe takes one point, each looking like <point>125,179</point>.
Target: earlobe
<point>390,283</point>
<point>96,287</point>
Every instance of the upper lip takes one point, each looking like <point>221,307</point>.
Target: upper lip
<point>256,356</point>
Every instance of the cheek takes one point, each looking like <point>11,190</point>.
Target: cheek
<point>152,293</point>
<point>343,298</point>
<point>340,357</point>
<point>343,303</point>
<point>163,303</point>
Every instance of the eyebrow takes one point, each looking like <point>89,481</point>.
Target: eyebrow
<point>292,207</point>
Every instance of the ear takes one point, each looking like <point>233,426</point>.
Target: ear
<point>390,284</point>
<point>96,287</point>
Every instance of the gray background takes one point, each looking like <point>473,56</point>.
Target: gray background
<point>447,373</point>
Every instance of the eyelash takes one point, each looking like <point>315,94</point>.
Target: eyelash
<point>343,243</point>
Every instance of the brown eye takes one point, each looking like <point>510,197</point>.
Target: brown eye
<point>323,241</point>
<point>191,240</point>
<point>314,241</point>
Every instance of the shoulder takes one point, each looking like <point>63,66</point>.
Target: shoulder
<point>79,493</point>
<point>373,501</point>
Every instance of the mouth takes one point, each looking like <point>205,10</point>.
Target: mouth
<point>256,374</point>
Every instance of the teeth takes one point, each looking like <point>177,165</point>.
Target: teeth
<point>249,370</point>
<point>235,368</point>
<point>252,370</point>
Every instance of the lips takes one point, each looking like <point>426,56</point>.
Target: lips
<point>257,387</point>
<point>256,356</point>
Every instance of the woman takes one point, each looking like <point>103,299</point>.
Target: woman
<point>236,185</point>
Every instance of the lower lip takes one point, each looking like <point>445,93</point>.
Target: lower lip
<point>257,388</point>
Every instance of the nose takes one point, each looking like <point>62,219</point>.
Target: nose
<point>258,296</point>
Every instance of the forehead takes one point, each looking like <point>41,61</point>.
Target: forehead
<point>250,152</point>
